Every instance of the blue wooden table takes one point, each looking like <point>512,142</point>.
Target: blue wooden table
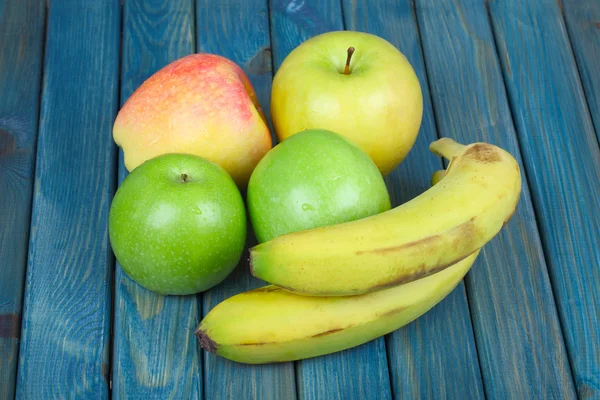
<point>522,74</point>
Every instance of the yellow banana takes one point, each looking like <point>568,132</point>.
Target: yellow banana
<point>271,324</point>
<point>473,199</point>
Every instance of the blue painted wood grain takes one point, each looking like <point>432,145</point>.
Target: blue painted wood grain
<point>21,46</point>
<point>239,30</point>
<point>583,24</point>
<point>518,335</point>
<point>422,364</point>
<point>562,157</point>
<point>294,21</point>
<point>361,372</point>
<point>155,354</point>
<point>67,308</point>
<point>357,373</point>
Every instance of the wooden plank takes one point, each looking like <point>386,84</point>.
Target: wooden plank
<point>562,158</point>
<point>361,372</point>
<point>67,306</point>
<point>155,354</point>
<point>421,363</point>
<point>583,24</point>
<point>518,335</point>
<point>240,32</point>
<point>293,22</point>
<point>22,47</point>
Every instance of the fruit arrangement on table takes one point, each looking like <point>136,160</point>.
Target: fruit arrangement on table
<point>342,266</point>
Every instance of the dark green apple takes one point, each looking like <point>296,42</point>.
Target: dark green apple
<point>177,224</point>
<point>314,178</point>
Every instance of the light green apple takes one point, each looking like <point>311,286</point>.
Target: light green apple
<point>353,83</point>
<point>315,178</point>
<point>177,224</point>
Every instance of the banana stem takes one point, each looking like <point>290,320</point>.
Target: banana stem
<point>437,176</point>
<point>446,147</point>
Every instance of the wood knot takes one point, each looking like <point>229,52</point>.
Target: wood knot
<point>106,372</point>
<point>10,326</point>
<point>260,64</point>
<point>585,390</point>
<point>8,143</point>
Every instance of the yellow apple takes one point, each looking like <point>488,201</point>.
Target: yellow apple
<point>353,83</point>
<point>201,104</point>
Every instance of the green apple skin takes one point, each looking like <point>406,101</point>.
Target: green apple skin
<point>177,224</point>
<point>315,178</point>
<point>378,105</point>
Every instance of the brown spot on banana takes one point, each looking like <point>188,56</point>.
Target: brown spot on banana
<point>205,341</point>
<point>465,232</point>
<point>461,234</point>
<point>265,289</point>
<point>269,362</point>
<point>329,332</point>
<point>253,344</point>
<point>483,152</point>
<point>209,345</point>
<point>391,249</point>
<point>391,312</point>
<point>466,229</point>
<point>419,273</point>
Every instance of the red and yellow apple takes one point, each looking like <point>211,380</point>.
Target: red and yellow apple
<point>202,104</point>
<point>376,102</point>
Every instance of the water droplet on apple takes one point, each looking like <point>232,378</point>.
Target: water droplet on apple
<point>307,207</point>
<point>197,211</point>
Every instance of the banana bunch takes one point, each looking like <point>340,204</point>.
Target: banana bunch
<point>271,324</point>
<point>336,287</point>
<point>476,195</point>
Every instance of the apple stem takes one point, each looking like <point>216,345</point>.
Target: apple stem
<point>184,178</point>
<point>347,68</point>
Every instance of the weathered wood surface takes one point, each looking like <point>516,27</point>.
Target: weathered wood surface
<point>517,331</point>
<point>562,161</point>
<point>582,18</point>
<point>65,339</point>
<point>21,48</point>
<point>364,369</point>
<point>240,32</point>
<point>519,74</point>
<point>421,363</point>
<point>155,354</point>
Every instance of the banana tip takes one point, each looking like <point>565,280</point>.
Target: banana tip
<point>205,341</point>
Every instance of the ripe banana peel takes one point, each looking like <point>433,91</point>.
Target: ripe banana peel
<point>475,196</point>
<point>271,324</point>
